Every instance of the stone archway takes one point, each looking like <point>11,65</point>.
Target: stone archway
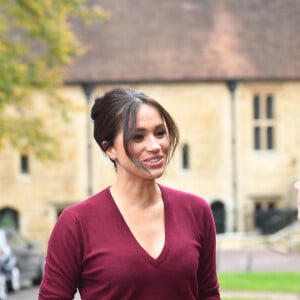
<point>9,217</point>
<point>218,210</point>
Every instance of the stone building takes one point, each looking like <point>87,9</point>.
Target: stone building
<point>229,73</point>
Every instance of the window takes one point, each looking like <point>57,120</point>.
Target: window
<point>218,210</point>
<point>24,164</point>
<point>266,212</point>
<point>185,156</point>
<point>271,206</point>
<point>263,122</point>
<point>9,217</point>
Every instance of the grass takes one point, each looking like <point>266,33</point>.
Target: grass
<point>261,281</point>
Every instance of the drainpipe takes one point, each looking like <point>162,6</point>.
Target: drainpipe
<point>88,90</point>
<point>232,85</point>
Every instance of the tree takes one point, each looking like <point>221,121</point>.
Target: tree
<point>36,44</point>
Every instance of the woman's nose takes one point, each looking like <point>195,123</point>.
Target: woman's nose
<point>153,144</point>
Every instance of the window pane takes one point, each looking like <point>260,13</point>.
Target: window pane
<point>185,156</point>
<point>270,139</point>
<point>269,106</point>
<point>257,138</point>
<point>271,206</point>
<point>258,206</point>
<point>256,110</point>
<point>24,164</point>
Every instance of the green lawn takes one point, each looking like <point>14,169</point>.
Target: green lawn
<point>261,281</point>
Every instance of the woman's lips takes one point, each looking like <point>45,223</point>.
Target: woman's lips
<point>154,160</point>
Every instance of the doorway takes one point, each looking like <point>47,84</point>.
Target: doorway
<point>218,211</point>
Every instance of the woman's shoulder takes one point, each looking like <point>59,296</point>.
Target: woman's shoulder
<point>98,200</point>
<point>182,196</point>
<point>81,216</point>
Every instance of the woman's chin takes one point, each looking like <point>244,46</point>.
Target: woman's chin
<point>154,174</point>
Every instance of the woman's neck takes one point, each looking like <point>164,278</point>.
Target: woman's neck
<point>137,193</point>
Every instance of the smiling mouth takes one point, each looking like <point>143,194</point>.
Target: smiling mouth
<point>154,160</point>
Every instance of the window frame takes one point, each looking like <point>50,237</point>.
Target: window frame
<point>263,129</point>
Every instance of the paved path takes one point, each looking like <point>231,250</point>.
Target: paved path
<point>260,295</point>
<point>257,260</point>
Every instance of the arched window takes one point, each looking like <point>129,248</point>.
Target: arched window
<point>9,217</point>
<point>218,210</point>
<point>185,157</point>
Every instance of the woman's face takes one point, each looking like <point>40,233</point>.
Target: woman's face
<point>149,146</point>
<point>297,187</point>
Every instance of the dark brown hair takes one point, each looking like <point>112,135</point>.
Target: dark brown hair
<point>117,109</point>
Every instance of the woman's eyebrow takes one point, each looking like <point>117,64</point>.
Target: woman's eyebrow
<point>160,126</point>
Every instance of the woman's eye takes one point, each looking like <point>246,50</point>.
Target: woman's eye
<point>138,137</point>
<point>161,133</point>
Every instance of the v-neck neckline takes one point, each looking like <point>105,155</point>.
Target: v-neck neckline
<point>133,240</point>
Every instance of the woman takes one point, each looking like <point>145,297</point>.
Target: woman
<point>135,239</point>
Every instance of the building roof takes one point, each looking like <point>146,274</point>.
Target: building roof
<point>191,40</point>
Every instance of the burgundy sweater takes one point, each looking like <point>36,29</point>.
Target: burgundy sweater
<point>92,248</point>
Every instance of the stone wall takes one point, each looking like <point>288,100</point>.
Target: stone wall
<point>203,114</point>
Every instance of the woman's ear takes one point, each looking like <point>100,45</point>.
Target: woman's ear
<point>105,145</point>
<point>109,150</point>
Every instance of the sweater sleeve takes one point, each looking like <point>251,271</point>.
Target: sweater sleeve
<point>63,260</point>
<point>207,274</point>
